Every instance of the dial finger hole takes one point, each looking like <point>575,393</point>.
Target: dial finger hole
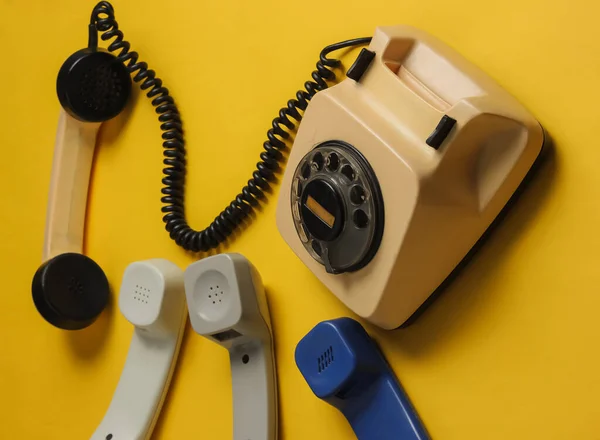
<point>297,187</point>
<point>360,219</point>
<point>348,172</point>
<point>358,195</point>
<point>306,170</point>
<point>296,211</point>
<point>332,162</point>
<point>317,162</point>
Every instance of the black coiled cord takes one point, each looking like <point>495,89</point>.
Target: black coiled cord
<point>230,218</point>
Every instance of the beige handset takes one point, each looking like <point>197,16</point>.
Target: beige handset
<point>408,163</point>
<point>69,289</point>
<point>69,182</point>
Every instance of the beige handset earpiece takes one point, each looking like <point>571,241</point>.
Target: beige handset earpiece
<point>152,298</point>
<point>227,305</point>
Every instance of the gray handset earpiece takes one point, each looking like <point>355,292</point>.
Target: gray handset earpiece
<point>227,304</point>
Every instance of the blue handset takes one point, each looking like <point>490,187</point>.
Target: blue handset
<point>343,366</point>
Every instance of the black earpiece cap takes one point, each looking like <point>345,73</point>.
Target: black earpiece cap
<point>70,291</point>
<point>93,85</point>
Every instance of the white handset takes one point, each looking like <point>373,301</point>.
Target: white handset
<point>227,304</point>
<point>151,298</point>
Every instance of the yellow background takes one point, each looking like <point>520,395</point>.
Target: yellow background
<point>510,351</point>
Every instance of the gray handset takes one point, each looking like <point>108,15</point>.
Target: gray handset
<point>227,304</point>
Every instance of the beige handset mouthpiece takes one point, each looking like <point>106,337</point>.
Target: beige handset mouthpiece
<point>397,172</point>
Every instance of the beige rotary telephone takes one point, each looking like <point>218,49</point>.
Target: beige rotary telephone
<point>397,172</point>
